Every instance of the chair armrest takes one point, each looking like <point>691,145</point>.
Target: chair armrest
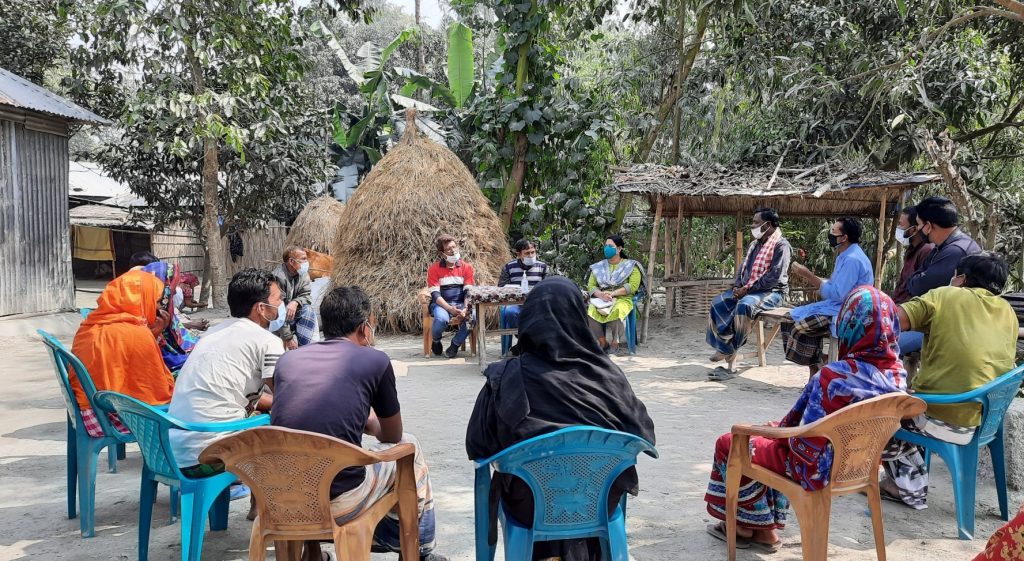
<point>944,399</point>
<point>397,452</point>
<point>772,432</point>
<point>228,426</point>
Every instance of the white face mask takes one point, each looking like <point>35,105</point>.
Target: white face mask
<point>179,298</point>
<point>902,237</point>
<point>453,259</point>
<point>757,232</point>
<point>278,322</point>
<point>304,268</point>
<point>529,261</point>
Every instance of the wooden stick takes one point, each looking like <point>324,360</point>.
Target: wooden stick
<point>650,270</point>
<point>688,249</point>
<point>739,240</point>
<point>879,256</point>
<point>669,258</point>
<point>678,245</point>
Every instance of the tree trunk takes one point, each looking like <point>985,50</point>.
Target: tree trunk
<point>517,175</point>
<point>942,152</point>
<point>421,63</point>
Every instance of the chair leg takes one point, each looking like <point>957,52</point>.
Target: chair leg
<point>285,550</point>
<point>617,545</point>
<point>88,457</point>
<point>257,548</point>
<point>122,451</point>
<point>188,508</point>
<point>875,502</point>
<point>112,458</point>
<point>813,510</point>
<point>518,543</point>
<point>175,504</point>
<point>146,496</point>
<point>72,461</point>
<point>219,511</point>
<point>352,542</point>
<point>964,469</point>
<point>995,448</point>
<point>733,476</point>
<point>762,359</point>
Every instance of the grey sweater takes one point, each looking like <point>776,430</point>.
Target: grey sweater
<point>294,288</point>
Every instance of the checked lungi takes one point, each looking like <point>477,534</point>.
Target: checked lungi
<point>905,464</point>
<point>730,320</point>
<point>802,339</point>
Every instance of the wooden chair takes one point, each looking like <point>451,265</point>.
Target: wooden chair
<point>290,474</point>
<point>858,433</point>
<point>424,297</point>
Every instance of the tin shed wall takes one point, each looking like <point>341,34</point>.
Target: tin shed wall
<point>35,248</point>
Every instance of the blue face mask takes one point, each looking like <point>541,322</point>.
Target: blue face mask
<point>610,251</point>
<point>278,322</point>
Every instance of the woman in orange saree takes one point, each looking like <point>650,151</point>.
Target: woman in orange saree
<point>117,344</point>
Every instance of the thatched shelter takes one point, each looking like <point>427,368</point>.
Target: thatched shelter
<point>316,227</point>
<point>418,191</point>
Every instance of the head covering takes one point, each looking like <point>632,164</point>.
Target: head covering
<point>868,331</point>
<point>561,378</point>
<point>176,342</point>
<point>117,347</point>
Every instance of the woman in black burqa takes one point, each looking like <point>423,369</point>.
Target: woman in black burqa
<point>560,378</point>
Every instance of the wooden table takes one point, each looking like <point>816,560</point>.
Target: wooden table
<point>482,297</point>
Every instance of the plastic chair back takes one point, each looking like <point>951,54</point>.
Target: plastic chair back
<point>150,427</point>
<point>66,362</point>
<point>995,401</point>
<point>570,473</point>
<point>84,312</point>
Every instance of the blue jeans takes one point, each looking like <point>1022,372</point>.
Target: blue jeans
<point>911,342</point>
<point>441,319</point>
<point>511,316</point>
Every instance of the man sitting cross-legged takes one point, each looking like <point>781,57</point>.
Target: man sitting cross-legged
<point>342,387</point>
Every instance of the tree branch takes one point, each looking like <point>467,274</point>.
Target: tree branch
<point>989,129</point>
<point>1014,6</point>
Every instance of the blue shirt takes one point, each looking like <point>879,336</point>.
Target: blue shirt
<point>853,269</point>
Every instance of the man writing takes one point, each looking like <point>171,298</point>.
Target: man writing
<point>293,276</point>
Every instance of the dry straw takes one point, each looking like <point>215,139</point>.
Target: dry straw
<point>418,191</point>
<point>316,227</point>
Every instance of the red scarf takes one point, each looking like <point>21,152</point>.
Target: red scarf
<point>763,259</point>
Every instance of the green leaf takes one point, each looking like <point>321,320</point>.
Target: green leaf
<point>320,29</point>
<point>897,120</point>
<point>404,36</point>
<point>901,5</point>
<point>372,154</point>
<point>460,62</point>
<point>339,134</point>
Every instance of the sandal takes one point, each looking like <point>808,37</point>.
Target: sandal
<point>720,374</point>
<point>718,531</point>
<point>766,547</point>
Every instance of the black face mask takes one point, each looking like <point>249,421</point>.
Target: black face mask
<point>833,240</point>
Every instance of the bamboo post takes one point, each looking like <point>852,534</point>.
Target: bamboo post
<point>739,240</point>
<point>688,249</point>
<point>676,247</point>
<point>650,270</point>
<point>668,258</point>
<point>879,256</point>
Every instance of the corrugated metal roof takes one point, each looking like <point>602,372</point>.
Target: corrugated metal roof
<point>16,91</point>
<point>105,217</point>
<point>87,180</point>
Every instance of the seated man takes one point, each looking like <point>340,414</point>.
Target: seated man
<point>937,221</point>
<point>918,250</point>
<point>525,272</point>
<point>343,388</point>
<point>813,322</point>
<point>448,278</point>
<point>760,285</point>
<point>970,338</point>
<point>224,377</point>
<point>293,277</point>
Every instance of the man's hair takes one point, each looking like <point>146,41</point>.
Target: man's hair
<point>343,310</point>
<point>986,270</point>
<point>911,212</point>
<point>769,215</point>
<point>286,254</point>
<point>851,228</point>
<point>443,240</point>
<point>248,287</point>
<point>142,258</point>
<point>523,244</point>
<point>937,210</point>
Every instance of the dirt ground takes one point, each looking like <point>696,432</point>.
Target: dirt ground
<point>666,522</point>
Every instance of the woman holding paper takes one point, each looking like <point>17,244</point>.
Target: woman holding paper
<point>611,285</point>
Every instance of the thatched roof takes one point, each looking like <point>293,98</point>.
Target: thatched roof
<point>817,191</point>
<point>418,191</point>
<point>316,227</point>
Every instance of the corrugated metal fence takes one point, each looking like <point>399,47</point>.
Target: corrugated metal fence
<point>35,247</point>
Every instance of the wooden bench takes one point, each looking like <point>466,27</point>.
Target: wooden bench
<point>777,317</point>
<point>428,320</point>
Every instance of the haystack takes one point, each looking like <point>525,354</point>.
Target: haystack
<point>418,191</point>
<point>316,227</point>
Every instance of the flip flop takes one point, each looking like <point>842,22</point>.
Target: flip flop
<point>720,374</point>
<point>766,547</point>
<point>718,531</point>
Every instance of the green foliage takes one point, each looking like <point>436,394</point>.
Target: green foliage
<point>34,35</point>
<point>460,63</point>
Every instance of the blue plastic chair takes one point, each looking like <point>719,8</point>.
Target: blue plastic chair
<point>570,473</point>
<point>962,461</point>
<point>631,320</point>
<point>200,497</point>
<point>83,450</point>
<point>85,312</point>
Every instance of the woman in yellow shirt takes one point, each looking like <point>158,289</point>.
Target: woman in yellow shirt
<point>611,285</point>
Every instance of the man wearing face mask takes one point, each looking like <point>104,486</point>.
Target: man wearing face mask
<point>937,222</point>
<point>344,388</point>
<point>224,377</point>
<point>300,322</point>
<point>525,272</point>
<point>760,285</point>
<point>448,279</point>
<point>813,322</point>
<point>918,250</point>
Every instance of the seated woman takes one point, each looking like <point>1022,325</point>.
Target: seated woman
<point>560,378</point>
<point>868,330</point>
<point>176,341</point>
<point>611,285</point>
<point>117,344</point>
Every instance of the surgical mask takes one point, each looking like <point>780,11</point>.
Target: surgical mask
<point>610,251</point>
<point>757,232</point>
<point>453,259</point>
<point>304,268</point>
<point>372,341</point>
<point>901,236</point>
<point>833,240</point>
<point>278,322</point>
<point>529,261</point>
<point>179,298</point>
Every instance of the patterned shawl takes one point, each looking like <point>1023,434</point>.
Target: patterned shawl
<point>868,331</point>
<point>607,278</point>
<point>176,341</point>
